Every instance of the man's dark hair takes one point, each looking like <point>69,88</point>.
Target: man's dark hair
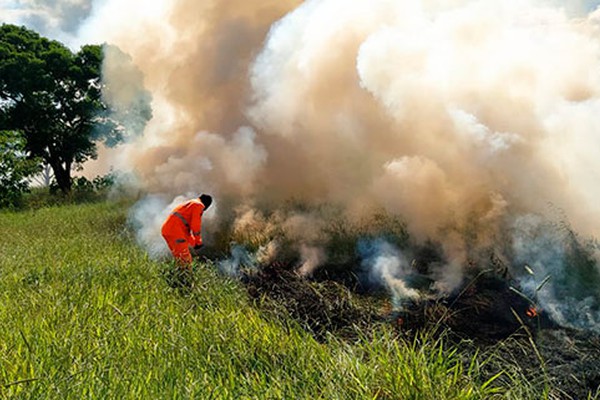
<point>206,200</point>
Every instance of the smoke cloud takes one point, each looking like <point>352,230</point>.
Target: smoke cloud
<point>464,118</point>
<point>124,92</point>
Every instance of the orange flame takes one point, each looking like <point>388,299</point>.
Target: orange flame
<point>531,312</point>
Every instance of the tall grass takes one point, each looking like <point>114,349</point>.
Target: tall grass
<point>84,314</point>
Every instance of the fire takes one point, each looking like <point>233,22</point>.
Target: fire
<point>532,312</point>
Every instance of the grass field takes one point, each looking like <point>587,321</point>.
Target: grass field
<point>85,314</point>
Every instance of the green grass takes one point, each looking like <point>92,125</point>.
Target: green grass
<point>85,314</point>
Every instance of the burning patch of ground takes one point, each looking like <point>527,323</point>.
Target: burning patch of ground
<point>487,309</point>
<point>488,315</point>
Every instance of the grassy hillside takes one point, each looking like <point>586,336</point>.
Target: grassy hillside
<point>85,314</point>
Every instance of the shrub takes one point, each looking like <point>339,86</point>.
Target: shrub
<point>15,168</point>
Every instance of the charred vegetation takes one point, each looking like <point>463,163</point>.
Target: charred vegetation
<point>489,314</point>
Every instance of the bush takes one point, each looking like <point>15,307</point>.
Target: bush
<point>83,190</point>
<point>15,168</point>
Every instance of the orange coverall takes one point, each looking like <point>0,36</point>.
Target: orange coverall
<point>183,228</point>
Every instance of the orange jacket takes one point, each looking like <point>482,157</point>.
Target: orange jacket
<point>186,220</point>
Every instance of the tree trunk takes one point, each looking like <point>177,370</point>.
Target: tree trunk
<point>62,174</point>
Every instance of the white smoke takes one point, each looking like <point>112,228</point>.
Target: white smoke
<point>311,258</point>
<point>387,266</point>
<point>240,259</point>
<point>147,217</point>
<point>124,92</point>
<point>563,274</point>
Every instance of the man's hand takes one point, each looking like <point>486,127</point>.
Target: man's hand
<point>196,250</point>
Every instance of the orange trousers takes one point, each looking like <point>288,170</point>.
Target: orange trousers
<point>176,235</point>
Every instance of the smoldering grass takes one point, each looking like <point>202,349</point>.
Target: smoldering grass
<point>324,226</point>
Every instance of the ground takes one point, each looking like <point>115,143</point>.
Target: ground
<point>485,316</point>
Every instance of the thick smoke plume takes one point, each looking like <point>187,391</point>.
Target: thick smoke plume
<point>471,120</point>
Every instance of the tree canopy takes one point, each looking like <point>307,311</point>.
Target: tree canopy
<point>54,98</point>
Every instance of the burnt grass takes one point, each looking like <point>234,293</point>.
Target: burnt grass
<point>486,316</point>
<point>322,307</point>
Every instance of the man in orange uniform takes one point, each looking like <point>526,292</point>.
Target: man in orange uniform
<point>183,228</point>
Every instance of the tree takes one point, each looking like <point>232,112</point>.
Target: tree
<point>15,167</point>
<point>54,97</point>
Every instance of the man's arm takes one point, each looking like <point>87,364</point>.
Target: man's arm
<point>196,225</point>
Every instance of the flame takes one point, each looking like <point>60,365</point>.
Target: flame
<point>532,312</point>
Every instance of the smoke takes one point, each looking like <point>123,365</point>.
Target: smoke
<point>563,271</point>
<point>147,217</point>
<point>311,259</point>
<point>464,118</point>
<point>387,266</point>
<point>124,92</point>
<point>240,258</point>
